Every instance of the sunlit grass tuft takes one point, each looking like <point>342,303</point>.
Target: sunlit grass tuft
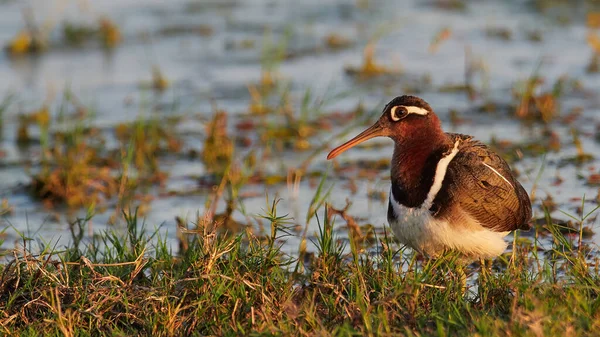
<point>132,283</point>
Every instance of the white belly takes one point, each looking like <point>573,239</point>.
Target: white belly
<point>416,228</point>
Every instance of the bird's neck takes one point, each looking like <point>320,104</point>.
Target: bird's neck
<point>413,167</point>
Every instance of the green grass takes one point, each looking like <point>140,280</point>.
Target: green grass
<point>245,285</point>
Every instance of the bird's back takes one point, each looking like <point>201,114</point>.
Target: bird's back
<point>481,184</point>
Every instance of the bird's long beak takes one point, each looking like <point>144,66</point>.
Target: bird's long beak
<point>374,131</point>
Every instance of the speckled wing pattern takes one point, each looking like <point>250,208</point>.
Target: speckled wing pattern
<point>481,183</point>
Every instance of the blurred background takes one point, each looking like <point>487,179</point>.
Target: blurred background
<point>201,112</point>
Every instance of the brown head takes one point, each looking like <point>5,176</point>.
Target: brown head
<point>409,121</point>
<point>419,142</point>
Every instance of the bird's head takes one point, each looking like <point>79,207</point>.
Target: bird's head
<point>405,119</point>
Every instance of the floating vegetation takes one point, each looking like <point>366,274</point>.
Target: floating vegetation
<point>218,149</point>
<point>594,42</point>
<point>30,40</point>
<point>475,69</point>
<point>581,156</point>
<point>549,204</point>
<point>109,32</point>
<point>450,5</point>
<point>73,173</point>
<point>548,225</point>
<point>76,181</point>
<point>40,117</point>
<point>6,208</point>
<point>501,33</point>
<point>294,133</point>
<point>5,104</point>
<point>288,126</point>
<point>535,35</point>
<point>200,29</point>
<point>243,44</point>
<point>370,68</point>
<point>594,65</point>
<point>515,151</point>
<point>159,82</point>
<point>259,95</point>
<point>536,104</point>
<point>26,42</point>
<point>76,169</point>
<point>271,57</point>
<point>336,41</point>
<point>593,179</point>
<point>145,140</point>
<point>35,39</point>
<point>441,36</point>
<point>104,32</point>
<point>377,164</point>
<point>381,196</point>
<point>77,35</point>
<point>593,20</point>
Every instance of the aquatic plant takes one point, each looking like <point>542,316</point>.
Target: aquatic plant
<point>370,68</point>
<point>217,153</point>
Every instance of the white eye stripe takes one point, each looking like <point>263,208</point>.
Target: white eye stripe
<point>409,110</point>
<point>416,110</point>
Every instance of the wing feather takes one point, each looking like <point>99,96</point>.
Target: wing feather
<point>481,183</point>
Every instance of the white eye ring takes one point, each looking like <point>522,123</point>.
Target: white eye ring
<point>393,114</point>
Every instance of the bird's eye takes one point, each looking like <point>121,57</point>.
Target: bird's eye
<point>398,112</point>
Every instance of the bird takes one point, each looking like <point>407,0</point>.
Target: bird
<point>449,192</point>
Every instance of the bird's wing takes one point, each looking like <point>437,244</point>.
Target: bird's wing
<point>481,183</point>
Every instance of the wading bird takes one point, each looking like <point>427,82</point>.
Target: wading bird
<point>449,191</point>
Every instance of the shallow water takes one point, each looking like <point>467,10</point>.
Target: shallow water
<point>204,69</point>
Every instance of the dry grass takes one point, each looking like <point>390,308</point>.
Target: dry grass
<point>232,285</point>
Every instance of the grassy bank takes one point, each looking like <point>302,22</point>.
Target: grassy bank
<point>245,285</point>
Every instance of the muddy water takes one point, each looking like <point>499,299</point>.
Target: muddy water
<point>211,50</point>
